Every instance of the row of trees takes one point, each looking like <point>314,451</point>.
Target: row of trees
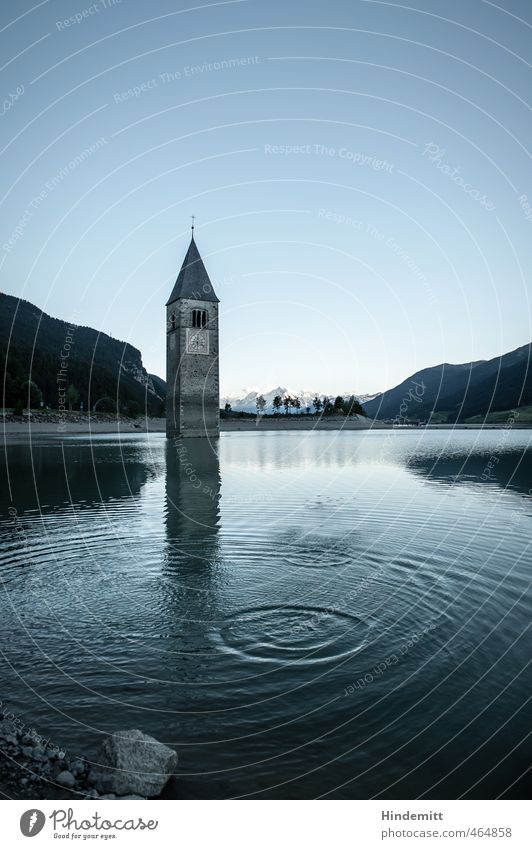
<point>29,380</point>
<point>322,406</point>
<point>30,397</point>
<point>27,395</point>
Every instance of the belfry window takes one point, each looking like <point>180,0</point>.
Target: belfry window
<point>172,321</point>
<point>199,318</point>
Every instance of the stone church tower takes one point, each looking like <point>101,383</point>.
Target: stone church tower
<point>192,379</point>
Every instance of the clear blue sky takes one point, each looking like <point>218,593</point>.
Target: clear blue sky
<point>356,168</point>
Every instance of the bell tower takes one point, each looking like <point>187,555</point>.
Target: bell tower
<point>192,374</point>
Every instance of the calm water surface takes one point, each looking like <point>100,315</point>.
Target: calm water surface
<point>338,614</point>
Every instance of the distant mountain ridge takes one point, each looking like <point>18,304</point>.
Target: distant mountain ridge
<point>460,391</point>
<point>53,353</point>
<point>32,342</point>
<point>247,403</point>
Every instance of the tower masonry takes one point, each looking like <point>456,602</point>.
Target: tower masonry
<point>192,373</point>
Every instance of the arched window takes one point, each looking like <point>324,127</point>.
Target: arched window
<point>172,321</point>
<point>199,318</point>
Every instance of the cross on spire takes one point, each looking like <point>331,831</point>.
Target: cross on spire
<point>193,218</point>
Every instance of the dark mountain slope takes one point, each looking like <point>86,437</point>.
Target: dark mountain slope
<point>54,354</point>
<point>504,388</point>
<point>470,389</point>
<point>421,391</point>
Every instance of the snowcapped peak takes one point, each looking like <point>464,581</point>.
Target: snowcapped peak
<point>246,402</point>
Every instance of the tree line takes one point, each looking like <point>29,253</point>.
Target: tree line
<point>325,406</point>
<point>32,383</point>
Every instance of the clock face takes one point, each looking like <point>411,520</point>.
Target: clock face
<point>197,341</point>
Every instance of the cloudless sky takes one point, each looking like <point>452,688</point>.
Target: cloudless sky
<point>357,169</point>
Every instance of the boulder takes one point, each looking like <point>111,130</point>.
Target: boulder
<point>66,779</point>
<point>92,794</point>
<point>77,768</point>
<point>132,763</point>
<point>8,730</point>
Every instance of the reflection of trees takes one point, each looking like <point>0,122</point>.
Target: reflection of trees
<point>479,464</point>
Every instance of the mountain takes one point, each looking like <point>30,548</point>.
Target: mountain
<point>54,354</point>
<point>458,392</point>
<point>159,385</point>
<point>247,402</point>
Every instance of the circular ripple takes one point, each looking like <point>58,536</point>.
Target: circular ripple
<point>293,634</point>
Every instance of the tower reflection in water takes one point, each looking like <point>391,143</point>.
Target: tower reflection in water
<point>192,493</point>
<point>191,564</point>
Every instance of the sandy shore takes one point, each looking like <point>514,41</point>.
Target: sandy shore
<point>298,423</point>
<point>127,426</point>
<point>87,426</point>
<point>21,430</point>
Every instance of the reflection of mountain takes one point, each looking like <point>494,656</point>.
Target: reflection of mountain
<point>508,469</point>
<point>54,475</point>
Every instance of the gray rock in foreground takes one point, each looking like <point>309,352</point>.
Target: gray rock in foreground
<point>132,763</point>
<point>7,729</point>
<point>66,779</point>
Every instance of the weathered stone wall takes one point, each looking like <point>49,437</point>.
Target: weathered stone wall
<point>193,392</point>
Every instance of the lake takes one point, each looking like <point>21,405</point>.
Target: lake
<point>300,615</point>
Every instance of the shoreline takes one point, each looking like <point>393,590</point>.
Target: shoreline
<point>25,430</point>
<point>33,768</point>
<point>369,424</point>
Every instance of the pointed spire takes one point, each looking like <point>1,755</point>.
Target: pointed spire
<point>193,281</point>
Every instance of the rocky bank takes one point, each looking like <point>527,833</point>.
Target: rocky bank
<point>128,765</point>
